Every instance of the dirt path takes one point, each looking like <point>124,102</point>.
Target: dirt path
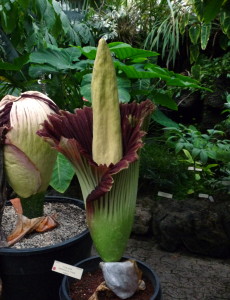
<point>182,275</point>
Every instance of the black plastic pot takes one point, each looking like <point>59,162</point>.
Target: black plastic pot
<point>26,273</point>
<point>92,263</point>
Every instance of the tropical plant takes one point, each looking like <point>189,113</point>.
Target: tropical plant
<point>27,160</point>
<point>103,143</point>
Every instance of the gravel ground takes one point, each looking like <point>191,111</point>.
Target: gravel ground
<point>182,275</point>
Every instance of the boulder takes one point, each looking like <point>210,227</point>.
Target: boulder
<point>143,216</point>
<point>200,226</point>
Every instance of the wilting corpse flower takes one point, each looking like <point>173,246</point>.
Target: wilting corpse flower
<point>102,143</point>
<point>28,159</point>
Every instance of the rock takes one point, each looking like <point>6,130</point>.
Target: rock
<point>199,225</point>
<point>143,216</point>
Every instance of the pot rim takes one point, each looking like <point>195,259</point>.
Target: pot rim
<point>157,287</point>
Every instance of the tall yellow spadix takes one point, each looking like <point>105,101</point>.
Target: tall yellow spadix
<point>107,138</point>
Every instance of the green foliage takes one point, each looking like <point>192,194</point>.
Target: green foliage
<point>201,21</point>
<point>161,171</point>
<point>203,152</point>
<point>208,71</point>
<point>63,173</point>
<point>183,162</point>
<point>201,146</point>
<point>27,27</point>
<point>165,36</point>
<point>69,69</point>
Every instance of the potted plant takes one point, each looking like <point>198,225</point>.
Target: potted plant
<point>103,144</point>
<point>27,163</point>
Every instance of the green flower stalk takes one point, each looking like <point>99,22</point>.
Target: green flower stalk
<point>102,143</point>
<point>28,160</point>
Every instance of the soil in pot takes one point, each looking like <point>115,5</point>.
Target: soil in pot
<point>90,282</point>
<point>83,289</point>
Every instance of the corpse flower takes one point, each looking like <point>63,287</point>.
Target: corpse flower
<point>28,160</point>
<point>102,143</point>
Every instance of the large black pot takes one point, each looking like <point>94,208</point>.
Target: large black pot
<point>26,273</point>
<point>92,263</point>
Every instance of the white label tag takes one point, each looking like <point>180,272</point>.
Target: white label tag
<point>66,269</point>
<point>211,199</point>
<point>166,195</point>
<point>203,196</point>
<point>194,169</point>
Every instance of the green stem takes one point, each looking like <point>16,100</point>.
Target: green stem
<point>33,205</point>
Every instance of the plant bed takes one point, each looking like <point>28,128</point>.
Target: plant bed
<point>92,277</point>
<point>27,273</point>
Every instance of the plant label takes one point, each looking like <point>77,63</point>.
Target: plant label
<point>66,269</point>
<point>203,196</point>
<point>165,195</point>
<point>194,169</point>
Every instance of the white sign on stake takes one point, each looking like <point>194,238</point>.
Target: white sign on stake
<point>165,195</point>
<point>66,269</point>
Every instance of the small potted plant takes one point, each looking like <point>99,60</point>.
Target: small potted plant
<point>103,144</point>
<point>26,164</point>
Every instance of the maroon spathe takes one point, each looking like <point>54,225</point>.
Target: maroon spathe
<point>77,128</point>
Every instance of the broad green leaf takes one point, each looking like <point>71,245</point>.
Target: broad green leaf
<point>63,173</point>
<point>86,87</point>
<point>163,120</point>
<point>9,19</point>
<point>118,45</point>
<point>164,100</point>
<point>198,7</point>
<point>195,152</point>
<point>225,22</point>
<point>84,32</point>
<point>194,53</point>
<point>211,9</point>
<point>194,33</point>
<point>133,72</point>
<point>153,71</point>
<point>89,52</point>
<point>124,52</point>
<point>205,34</point>
<point>124,86</point>
<point>203,156</point>
<point>17,64</point>
<point>179,147</point>
<point>65,23</point>
<point>59,58</point>
<point>36,71</point>
<point>183,81</point>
